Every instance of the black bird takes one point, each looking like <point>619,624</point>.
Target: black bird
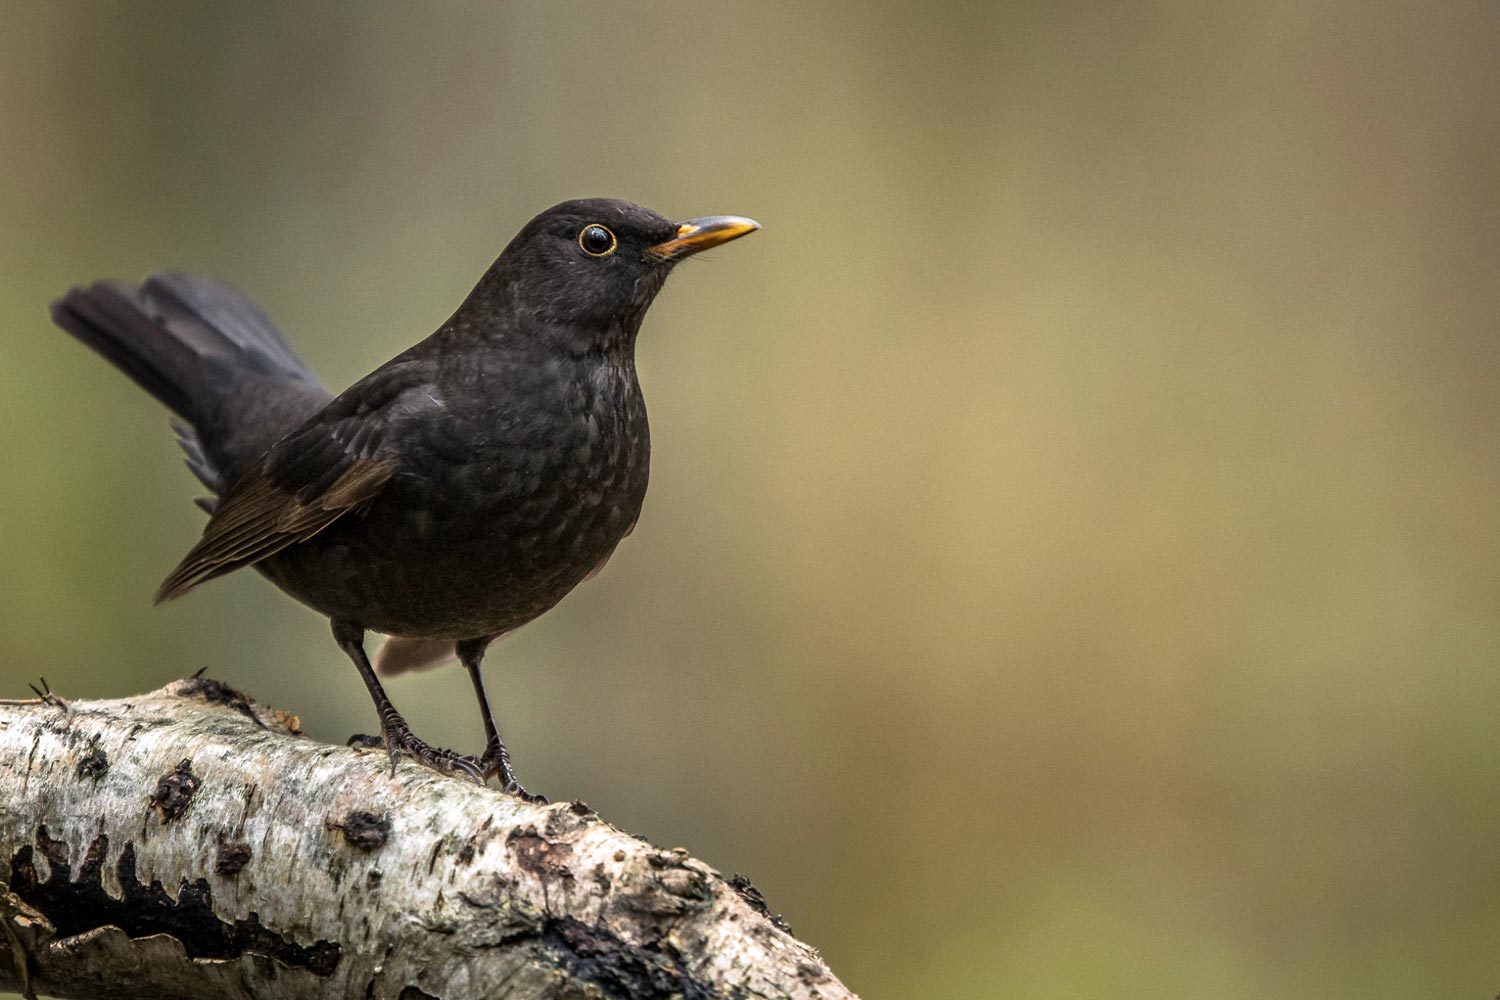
<point>453,494</point>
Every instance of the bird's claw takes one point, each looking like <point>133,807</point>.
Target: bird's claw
<point>495,763</point>
<point>399,741</point>
<point>514,788</point>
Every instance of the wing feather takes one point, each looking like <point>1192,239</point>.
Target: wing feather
<point>335,463</point>
<point>259,518</point>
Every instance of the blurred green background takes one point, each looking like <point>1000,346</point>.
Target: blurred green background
<point>1072,563</point>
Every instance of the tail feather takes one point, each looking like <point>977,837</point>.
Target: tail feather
<point>207,352</point>
<point>197,459</point>
<point>108,318</point>
<point>192,304</point>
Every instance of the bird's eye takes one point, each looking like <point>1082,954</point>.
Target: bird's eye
<point>597,241</point>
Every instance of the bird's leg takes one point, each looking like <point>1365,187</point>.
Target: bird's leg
<point>471,654</point>
<point>496,759</point>
<point>394,732</point>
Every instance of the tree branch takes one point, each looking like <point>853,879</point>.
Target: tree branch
<point>192,843</point>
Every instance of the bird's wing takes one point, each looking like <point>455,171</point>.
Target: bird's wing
<point>264,513</point>
<point>334,463</point>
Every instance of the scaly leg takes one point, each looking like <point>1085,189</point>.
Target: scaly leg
<point>395,734</point>
<point>496,759</point>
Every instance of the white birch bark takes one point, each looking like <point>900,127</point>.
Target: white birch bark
<point>191,843</point>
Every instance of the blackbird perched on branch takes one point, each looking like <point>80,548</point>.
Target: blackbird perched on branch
<point>453,494</point>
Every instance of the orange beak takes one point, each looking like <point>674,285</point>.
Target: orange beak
<point>700,234</point>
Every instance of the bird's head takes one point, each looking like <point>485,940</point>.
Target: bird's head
<point>589,268</point>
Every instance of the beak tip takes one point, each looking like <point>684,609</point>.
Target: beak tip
<point>700,234</point>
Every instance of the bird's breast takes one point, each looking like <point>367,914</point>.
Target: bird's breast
<point>556,472</point>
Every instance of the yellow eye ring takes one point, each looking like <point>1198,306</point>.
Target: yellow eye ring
<point>596,240</point>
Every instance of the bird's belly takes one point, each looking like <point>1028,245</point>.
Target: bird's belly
<point>474,552</point>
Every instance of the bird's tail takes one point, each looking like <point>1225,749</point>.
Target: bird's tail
<point>194,343</point>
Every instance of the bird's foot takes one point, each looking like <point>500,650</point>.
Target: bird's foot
<point>514,788</point>
<point>399,740</point>
<point>495,763</point>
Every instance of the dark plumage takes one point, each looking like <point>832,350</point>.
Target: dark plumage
<point>453,494</point>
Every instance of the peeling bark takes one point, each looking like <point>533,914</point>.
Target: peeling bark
<point>192,843</point>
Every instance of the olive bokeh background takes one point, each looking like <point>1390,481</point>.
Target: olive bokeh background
<point>1072,563</point>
